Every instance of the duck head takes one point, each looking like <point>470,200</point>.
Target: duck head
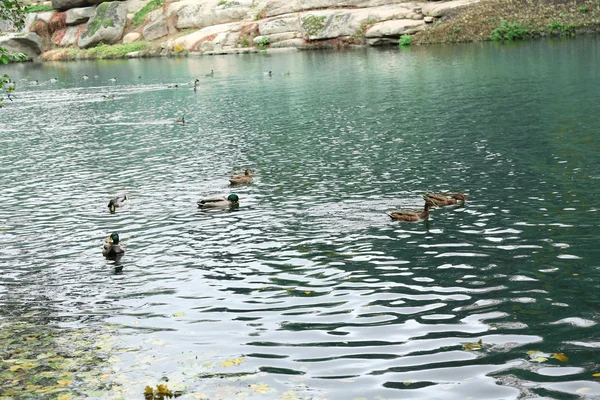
<point>459,197</point>
<point>233,198</point>
<point>114,237</point>
<point>111,206</point>
<point>248,172</point>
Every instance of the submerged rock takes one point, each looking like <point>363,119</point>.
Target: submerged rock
<point>106,26</point>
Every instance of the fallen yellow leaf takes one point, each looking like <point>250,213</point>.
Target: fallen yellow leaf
<point>307,292</point>
<point>597,374</point>
<point>560,357</point>
<point>540,359</point>
<point>230,362</point>
<point>179,314</point>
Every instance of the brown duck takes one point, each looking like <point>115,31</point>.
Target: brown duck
<point>412,216</point>
<point>246,178</point>
<point>446,199</point>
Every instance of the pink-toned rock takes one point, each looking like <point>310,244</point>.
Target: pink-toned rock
<point>132,37</point>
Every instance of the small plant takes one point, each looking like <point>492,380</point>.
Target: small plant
<point>509,31</point>
<point>457,29</point>
<point>313,24</point>
<point>223,2</point>
<point>562,30</point>
<point>37,8</point>
<point>584,9</point>
<point>138,17</point>
<point>405,40</point>
<point>263,42</point>
<point>261,14</point>
<point>245,43</point>
<point>103,51</point>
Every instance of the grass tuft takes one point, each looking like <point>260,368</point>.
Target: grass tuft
<point>138,17</point>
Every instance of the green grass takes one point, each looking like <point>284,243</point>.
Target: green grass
<point>405,40</point>
<point>312,24</point>
<point>263,43</point>
<point>103,51</point>
<point>509,31</point>
<point>138,17</point>
<point>37,8</point>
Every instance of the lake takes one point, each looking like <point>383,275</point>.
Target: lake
<point>308,290</point>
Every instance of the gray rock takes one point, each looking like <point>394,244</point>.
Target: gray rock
<point>106,26</point>
<point>76,16</point>
<point>393,29</point>
<point>440,9</point>
<point>44,16</point>
<point>428,20</point>
<point>71,36</point>
<point>63,5</point>
<point>156,29</point>
<point>30,44</point>
<point>7,26</point>
<point>286,23</point>
<point>295,43</point>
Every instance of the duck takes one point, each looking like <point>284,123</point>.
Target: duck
<point>108,96</point>
<point>180,120</point>
<point>36,82</point>
<point>220,202</point>
<point>246,178</point>
<point>112,80</point>
<point>175,86</point>
<point>446,199</point>
<point>267,73</point>
<point>412,216</point>
<point>112,248</point>
<point>85,77</point>
<point>212,73</point>
<point>116,202</point>
<point>286,73</point>
<point>53,80</point>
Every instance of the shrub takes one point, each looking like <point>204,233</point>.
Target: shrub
<point>263,43</point>
<point>37,8</point>
<point>116,51</point>
<point>405,40</point>
<point>509,31</point>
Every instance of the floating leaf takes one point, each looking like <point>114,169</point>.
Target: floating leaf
<point>473,346</point>
<point>532,352</point>
<point>540,359</point>
<point>260,387</point>
<point>231,362</point>
<point>560,357</point>
<point>148,391</point>
<point>179,314</point>
<point>307,292</point>
<point>597,374</point>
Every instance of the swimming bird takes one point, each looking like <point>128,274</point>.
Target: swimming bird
<point>36,82</point>
<point>246,178</point>
<point>181,120</point>
<point>286,73</point>
<point>411,216</point>
<point>220,202</point>
<point>53,80</point>
<point>112,248</point>
<point>24,80</point>
<point>85,77</point>
<point>212,73</point>
<point>108,96</point>
<point>446,199</point>
<point>112,80</point>
<point>173,86</point>
<point>96,76</point>
<point>267,73</point>
<point>116,202</point>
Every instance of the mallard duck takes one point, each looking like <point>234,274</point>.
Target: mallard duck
<point>246,178</point>
<point>267,73</point>
<point>212,73</point>
<point>175,86</point>
<point>446,199</point>
<point>112,248</point>
<point>116,202</point>
<point>180,120</point>
<point>85,77</point>
<point>220,202</point>
<point>36,82</point>
<point>108,96</point>
<point>53,80</point>
<point>413,215</point>
<point>112,80</point>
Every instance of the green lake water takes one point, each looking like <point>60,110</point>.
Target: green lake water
<point>309,290</point>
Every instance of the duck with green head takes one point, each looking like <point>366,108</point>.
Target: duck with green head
<point>220,202</point>
<point>116,202</point>
<point>112,248</point>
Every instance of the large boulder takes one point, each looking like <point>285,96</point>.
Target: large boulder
<point>76,16</point>
<point>440,9</point>
<point>210,38</point>
<point>106,26</point>
<point>30,44</point>
<point>158,28</point>
<point>279,7</point>
<point>71,36</point>
<point>394,29</point>
<point>132,37</point>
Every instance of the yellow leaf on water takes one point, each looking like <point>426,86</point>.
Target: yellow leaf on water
<point>260,387</point>
<point>530,352</point>
<point>560,357</point>
<point>231,362</point>
<point>540,359</point>
<point>307,292</point>
<point>179,314</point>
<point>596,374</point>
<point>148,391</point>
<point>406,383</point>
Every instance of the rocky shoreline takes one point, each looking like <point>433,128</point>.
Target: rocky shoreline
<point>76,30</point>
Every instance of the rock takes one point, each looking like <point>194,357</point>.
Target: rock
<point>279,7</point>
<point>63,5</point>
<point>71,36</point>
<point>289,43</point>
<point>428,20</point>
<point>287,23</point>
<point>210,38</point>
<point>132,37</point>
<point>440,9</point>
<point>76,16</point>
<point>45,16</point>
<point>30,44</point>
<point>134,6</point>
<point>107,25</point>
<point>393,29</point>
<point>7,26</point>
<point>29,20</point>
<point>279,37</point>
<point>156,29</point>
